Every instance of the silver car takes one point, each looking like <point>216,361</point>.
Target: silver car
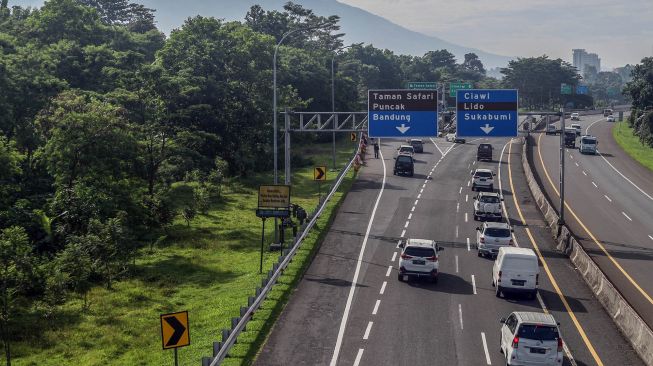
<point>491,236</point>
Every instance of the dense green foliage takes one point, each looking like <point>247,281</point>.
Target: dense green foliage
<point>101,114</point>
<point>640,89</point>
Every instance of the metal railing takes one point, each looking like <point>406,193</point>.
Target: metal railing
<point>229,337</point>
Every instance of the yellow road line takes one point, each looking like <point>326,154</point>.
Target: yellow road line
<point>580,329</point>
<point>596,241</point>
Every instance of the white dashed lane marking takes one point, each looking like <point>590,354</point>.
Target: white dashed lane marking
<point>487,353</point>
<point>595,185</point>
<point>394,256</point>
<point>387,273</point>
<point>357,361</point>
<point>367,330</point>
<point>468,247</point>
<point>584,172</point>
<point>460,313</point>
<point>410,216</point>
<point>474,284</point>
<point>403,233</point>
<point>628,217</point>
<point>607,198</point>
<point>385,283</point>
<point>376,307</point>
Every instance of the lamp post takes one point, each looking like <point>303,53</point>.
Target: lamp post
<point>333,98</point>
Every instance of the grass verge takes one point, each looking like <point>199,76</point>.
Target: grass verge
<point>630,143</point>
<point>208,268</point>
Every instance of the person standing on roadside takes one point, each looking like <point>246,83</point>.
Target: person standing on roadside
<point>376,149</point>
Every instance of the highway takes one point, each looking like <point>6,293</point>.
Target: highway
<point>609,206</point>
<point>350,309</point>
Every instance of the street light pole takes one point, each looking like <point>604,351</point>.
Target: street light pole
<point>333,98</point>
<point>562,167</point>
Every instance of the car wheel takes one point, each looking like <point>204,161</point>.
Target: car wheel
<point>479,253</point>
<point>532,295</point>
<point>435,279</point>
<point>412,173</point>
<point>400,277</point>
<point>491,187</point>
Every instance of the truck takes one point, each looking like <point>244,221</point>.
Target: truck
<point>570,137</point>
<point>607,112</point>
<point>588,144</point>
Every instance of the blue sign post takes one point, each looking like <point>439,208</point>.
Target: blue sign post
<point>402,113</point>
<point>486,113</point>
<point>582,89</point>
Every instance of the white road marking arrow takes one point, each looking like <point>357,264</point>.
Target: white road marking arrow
<point>403,128</point>
<point>487,129</point>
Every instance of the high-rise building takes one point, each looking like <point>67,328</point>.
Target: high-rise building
<point>582,59</point>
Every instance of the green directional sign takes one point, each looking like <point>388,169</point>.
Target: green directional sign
<point>422,85</point>
<point>453,88</point>
<point>565,89</point>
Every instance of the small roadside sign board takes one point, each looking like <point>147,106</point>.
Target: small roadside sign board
<point>274,196</point>
<point>582,89</point>
<point>422,85</point>
<point>487,113</point>
<point>175,331</point>
<point>319,173</point>
<point>352,136</point>
<point>565,88</point>
<point>454,87</point>
<point>402,113</point>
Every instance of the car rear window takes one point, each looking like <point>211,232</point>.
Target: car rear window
<point>538,332</point>
<point>497,232</point>
<point>404,159</point>
<point>420,252</point>
<point>406,149</point>
<point>490,199</point>
<point>416,143</point>
<point>589,141</point>
<point>483,174</point>
<point>485,147</point>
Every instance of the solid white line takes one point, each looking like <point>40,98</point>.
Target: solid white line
<point>626,216</point>
<point>394,256</point>
<point>457,206</point>
<point>474,284</point>
<point>468,247</point>
<point>595,185</point>
<point>466,218</point>
<point>358,357</point>
<point>387,273</point>
<point>487,354</point>
<point>354,282</point>
<point>584,172</point>
<point>460,190</point>
<point>466,197</point>
<point>437,147</point>
<point>410,216</point>
<point>456,231</point>
<point>406,226</point>
<point>460,312</point>
<point>412,209</point>
<point>367,330</point>
<point>403,233</point>
<point>607,198</point>
<point>376,307</point>
<point>419,196</point>
<point>456,264</point>
<point>624,177</point>
<point>385,283</point>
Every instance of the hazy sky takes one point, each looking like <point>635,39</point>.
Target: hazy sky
<point>620,31</point>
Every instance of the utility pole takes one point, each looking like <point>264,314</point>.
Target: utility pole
<point>333,109</point>
<point>562,168</point>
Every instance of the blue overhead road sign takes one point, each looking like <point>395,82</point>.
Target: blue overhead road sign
<point>402,113</point>
<point>486,113</point>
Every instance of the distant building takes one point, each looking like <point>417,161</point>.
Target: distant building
<point>583,59</point>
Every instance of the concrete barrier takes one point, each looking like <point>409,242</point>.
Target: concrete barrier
<point>631,325</point>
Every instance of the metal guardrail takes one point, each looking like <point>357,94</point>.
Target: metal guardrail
<point>229,337</point>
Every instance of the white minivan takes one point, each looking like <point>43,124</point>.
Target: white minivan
<point>516,270</point>
<point>529,338</point>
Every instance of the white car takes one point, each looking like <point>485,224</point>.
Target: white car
<point>406,149</point>
<point>483,178</point>
<point>491,236</point>
<point>577,128</point>
<point>610,118</point>
<point>419,258</point>
<point>516,270</point>
<point>530,338</point>
<point>451,137</point>
<point>487,205</point>
<point>575,116</point>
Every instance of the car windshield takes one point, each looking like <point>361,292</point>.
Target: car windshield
<point>589,141</point>
<point>420,252</point>
<point>404,159</point>
<point>490,199</point>
<point>497,232</point>
<point>538,332</point>
<point>482,174</point>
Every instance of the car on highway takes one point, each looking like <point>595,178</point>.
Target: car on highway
<point>575,116</point>
<point>417,144</point>
<point>404,164</point>
<point>588,144</point>
<point>531,338</point>
<point>405,149</point>
<point>551,129</point>
<point>516,270</point>
<point>570,137</point>
<point>483,179</point>
<point>607,112</point>
<point>419,258</point>
<point>609,118</point>
<point>487,205</point>
<point>451,137</point>
<point>491,236</point>
<point>484,152</point>
<point>577,128</point>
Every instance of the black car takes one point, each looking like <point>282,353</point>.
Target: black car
<point>404,164</point>
<point>484,152</point>
<point>418,145</point>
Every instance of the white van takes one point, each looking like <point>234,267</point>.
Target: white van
<point>516,270</point>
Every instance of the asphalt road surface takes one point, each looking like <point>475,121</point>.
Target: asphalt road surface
<point>609,205</point>
<point>350,309</point>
